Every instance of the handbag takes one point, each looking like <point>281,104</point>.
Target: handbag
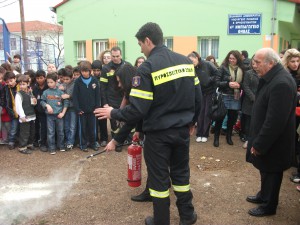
<point>218,109</point>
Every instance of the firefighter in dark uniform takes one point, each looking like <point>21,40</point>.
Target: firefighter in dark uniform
<point>166,94</point>
<point>111,95</point>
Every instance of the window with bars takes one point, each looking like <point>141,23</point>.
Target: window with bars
<point>168,41</point>
<point>13,44</point>
<point>99,46</point>
<point>81,50</point>
<point>208,46</point>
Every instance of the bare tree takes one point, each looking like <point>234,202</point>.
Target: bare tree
<point>45,43</point>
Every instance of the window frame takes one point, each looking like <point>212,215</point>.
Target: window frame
<point>212,48</point>
<point>168,42</point>
<point>102,46</point>
<point>81,47</point>
<point>13,40</point>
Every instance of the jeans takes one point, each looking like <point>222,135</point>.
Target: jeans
<point>14,125</point>
<point>54,123</point>
<point>70,124</point>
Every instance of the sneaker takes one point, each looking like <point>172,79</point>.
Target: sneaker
<point>52,152</point>
<point>62,149</point>
<point>11,146</point>
<point>204,139</point>
<point>97,144</point>
<point>103,143</point>
<point>43,148</point>
<point>24,150</point>
<point>198,139</point>
<point>30,147</point>
<point>95,148</point>
<point>69,147</point>
<point>4,142</point>
<point>84,149</point>
<point>245,144</point>
<point>295,179</point>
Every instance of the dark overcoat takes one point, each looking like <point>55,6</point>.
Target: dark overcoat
<point>272,130</point>
<point>250,84</point>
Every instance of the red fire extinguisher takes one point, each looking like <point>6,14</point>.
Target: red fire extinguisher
<point>134,161</point>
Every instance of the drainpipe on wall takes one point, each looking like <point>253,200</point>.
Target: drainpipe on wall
<point>274,14</point>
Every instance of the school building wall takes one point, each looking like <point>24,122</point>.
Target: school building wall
<point>184,21</point>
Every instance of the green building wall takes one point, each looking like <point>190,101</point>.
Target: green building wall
<point>120,20</point>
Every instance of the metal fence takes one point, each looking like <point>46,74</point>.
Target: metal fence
<point>38,54</point>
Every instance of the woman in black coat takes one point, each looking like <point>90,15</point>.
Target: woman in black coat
<point>207,73</point>
<point>291,62</point>
<point>229,83</point>
<point>250,84</point>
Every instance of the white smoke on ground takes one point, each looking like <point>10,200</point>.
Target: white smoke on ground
<point>23,199</point>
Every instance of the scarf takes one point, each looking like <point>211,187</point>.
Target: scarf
<point>236,73</point>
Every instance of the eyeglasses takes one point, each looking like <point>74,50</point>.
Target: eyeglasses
<point>106,57</point>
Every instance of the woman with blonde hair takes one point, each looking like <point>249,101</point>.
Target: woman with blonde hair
<point>291,62</point>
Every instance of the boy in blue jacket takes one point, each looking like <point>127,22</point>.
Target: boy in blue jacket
<point>86,98</point>
<point>56,108</point>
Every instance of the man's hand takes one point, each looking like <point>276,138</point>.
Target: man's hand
<point>111,146</point>
<point>23,119</point>
<point>192,129</point>
<point>103,113</point>
<point>254,152</point>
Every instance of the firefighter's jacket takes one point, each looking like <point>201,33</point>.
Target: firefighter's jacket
<point>165,92</point>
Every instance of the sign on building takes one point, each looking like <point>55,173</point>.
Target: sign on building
<point>244,24</point>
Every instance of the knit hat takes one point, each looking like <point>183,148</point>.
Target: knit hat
<point>97,64</point>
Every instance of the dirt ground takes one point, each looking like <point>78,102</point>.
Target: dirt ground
<point>66,189</point>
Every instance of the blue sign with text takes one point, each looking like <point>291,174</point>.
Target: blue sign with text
<point>244,23</point>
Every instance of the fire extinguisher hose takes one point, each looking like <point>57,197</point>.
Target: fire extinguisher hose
<point>97,153</point>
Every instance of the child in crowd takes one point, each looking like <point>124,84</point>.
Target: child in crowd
<point>2,99</point>
<point>70,119</point>
<point>76,72</point>
<point>5,125</point>
<point>11,89</point>
<point>31,74</point>
<point>86,98</point>
<point>51,68</point>
<point>61,72</point>
<point>56,108</point>
<point>25,103</point>
<point>101,124</point>
<point>96,68</point>
<point>41,120</point>
<point>15,63</point>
